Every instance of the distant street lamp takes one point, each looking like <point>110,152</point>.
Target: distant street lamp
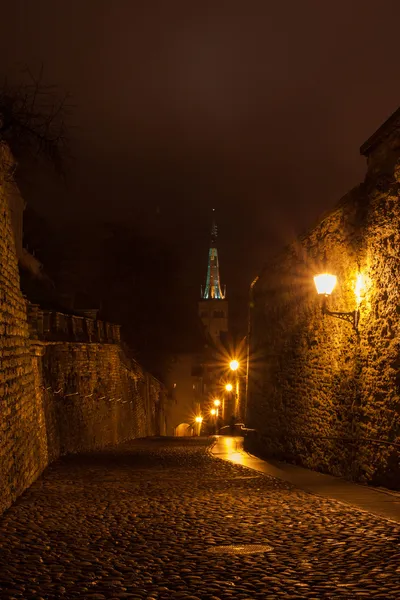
<point>234,366</point>
<point>228,388</point>
<point>199,421</point>
<point>217,404</point>
<point>214,414</point>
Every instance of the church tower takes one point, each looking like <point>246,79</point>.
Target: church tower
<point>213,306</point>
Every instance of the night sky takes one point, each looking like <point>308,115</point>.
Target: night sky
<point>255,108</point>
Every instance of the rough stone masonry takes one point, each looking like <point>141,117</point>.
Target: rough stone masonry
<point>320,393</point>
<point>59,396</point>
<point>23,452</point>
<point>163,520</point>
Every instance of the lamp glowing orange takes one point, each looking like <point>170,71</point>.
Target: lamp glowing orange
<point>325,283</point>
<point>360,288</point>
<point>234,365</point>
<point>217,402</point>
<point>229,387</point>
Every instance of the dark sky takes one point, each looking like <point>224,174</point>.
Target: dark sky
<point>255,108</point>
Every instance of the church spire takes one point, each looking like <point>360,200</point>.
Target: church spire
<point>213,286</point>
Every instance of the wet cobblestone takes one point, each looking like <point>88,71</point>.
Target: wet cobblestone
<point>138,523</point>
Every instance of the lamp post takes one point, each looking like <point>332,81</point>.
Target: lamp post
<point>198,421</point>
<point>234,366</point>
<point>325,284</point>
<point>217,404</point>
<point>213,413</point>
<point>228,388</point>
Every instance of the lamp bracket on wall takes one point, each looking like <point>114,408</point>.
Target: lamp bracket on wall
<point>351,317</point>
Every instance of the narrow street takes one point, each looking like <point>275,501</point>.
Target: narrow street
<point>150,519</point>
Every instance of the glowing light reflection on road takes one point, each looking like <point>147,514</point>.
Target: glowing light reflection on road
<point>231,448</point>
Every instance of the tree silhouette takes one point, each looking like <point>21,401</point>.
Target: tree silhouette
<point>33,119</point>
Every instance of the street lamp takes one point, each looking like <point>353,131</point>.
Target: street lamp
<point>228,388</point>
<point>234,366</point>
<point>199,421</point>
<point>217,404</point>
<point>214,414</point>
<point>325,284</point>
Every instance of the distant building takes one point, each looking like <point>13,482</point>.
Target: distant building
<point>186,391</point>
<point>213,306</point>
<point>193,380</point>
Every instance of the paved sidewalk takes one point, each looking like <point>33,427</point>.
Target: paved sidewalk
<point>382,503</point>
<point>162,519</point>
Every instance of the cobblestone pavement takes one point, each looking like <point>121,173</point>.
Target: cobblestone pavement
<point>146,521</point>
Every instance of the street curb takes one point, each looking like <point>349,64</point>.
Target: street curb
<point>304,490</point>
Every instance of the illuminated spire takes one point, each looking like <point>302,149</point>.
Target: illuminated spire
<point>213,287</point>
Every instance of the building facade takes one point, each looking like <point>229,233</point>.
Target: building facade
<point>194,380</point>
<point>213,306</point>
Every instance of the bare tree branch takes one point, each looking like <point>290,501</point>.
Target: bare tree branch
<point>33,119</point>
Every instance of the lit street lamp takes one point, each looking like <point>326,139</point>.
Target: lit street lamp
<point>325,284</point>
<point>199,421</point>
<point>214,414</point>
<point>228,388</point>
<point>234,366</point>
<point>217,404</point>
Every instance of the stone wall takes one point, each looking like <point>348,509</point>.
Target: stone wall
<point>320,393</point>
<point>92,399</point>
<point>23,453</point>
<point>66,383</point>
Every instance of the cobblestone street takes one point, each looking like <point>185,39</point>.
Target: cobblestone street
<point>146,520</point>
